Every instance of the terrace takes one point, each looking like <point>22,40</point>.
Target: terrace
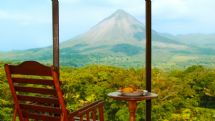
<point>148,73</point>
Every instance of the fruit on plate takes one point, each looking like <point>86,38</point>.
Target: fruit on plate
<point>129,89</point>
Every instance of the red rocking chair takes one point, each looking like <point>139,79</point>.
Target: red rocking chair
<point>37,95</point>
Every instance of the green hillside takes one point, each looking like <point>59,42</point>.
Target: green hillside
<point>198,39</point>
<point>184,95</point>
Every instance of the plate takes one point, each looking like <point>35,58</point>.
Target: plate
<point>136,93</point>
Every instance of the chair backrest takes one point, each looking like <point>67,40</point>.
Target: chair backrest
<point>36,92</point>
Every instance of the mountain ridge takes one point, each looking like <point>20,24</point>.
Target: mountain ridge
<point>120,27</point>
<point>118,38</point>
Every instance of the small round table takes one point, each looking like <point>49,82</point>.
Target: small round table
<point>132,101</point>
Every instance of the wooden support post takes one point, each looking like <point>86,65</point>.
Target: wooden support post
<point>148,58</point>
<point>55,27</point>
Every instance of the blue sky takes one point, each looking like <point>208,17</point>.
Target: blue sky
<point>27,23</point>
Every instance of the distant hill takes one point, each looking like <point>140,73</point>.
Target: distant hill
<point>200,40</point>
<point>120,40</point>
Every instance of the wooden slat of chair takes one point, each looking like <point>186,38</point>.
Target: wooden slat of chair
<point>41,117</point>
<point>41,108</point>
<point>46,100</point>
<point>33,81</point>
<point>35,90</point>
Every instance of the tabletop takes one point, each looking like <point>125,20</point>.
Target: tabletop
<point>119,96</point>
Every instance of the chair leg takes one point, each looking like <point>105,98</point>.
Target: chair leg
<point>14,114</point>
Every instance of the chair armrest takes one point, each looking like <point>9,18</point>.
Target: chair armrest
<point>84,112</point>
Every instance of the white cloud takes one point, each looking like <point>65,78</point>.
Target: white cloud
<point>171,9</point>
<point>184,16</point>
<point>24,18</point>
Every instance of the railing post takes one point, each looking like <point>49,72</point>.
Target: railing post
<point>55,27</point>
<point>148,58</point>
